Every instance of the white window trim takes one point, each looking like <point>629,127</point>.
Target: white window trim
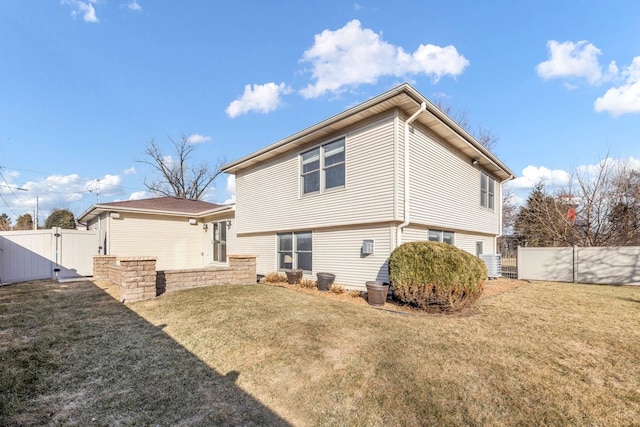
<point>322,168</point>
<point>441,235</point>
<point>294,251</point>
<point>490,195</point>
<point>212,225</point>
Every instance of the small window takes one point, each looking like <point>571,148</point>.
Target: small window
<point>295,250</point>
<point>487,191</point>
<point>441,236</point>
<point>328,159</point>
<point>479,248</point>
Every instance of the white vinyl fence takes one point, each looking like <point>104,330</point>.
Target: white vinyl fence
<point>618,265</point>
<point>46,254</point>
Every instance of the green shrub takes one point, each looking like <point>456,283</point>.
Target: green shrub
<point>436,276</point>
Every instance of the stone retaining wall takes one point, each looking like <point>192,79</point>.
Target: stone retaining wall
<point>139,280</point>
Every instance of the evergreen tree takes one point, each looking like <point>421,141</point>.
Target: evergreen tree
<point>62,218</point>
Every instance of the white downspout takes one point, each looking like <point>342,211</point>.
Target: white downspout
<point>407,180</point>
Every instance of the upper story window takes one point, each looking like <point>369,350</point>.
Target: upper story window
<point>323,167</point>
<point>487,191</point>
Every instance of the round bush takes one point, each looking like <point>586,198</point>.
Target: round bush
<point>436,276</point>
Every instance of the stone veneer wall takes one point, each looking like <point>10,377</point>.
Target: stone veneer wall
<point>139,280</point>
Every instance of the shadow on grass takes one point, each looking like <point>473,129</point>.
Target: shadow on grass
<point>72,354</point>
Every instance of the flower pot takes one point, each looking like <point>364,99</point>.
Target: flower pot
<point>293,276</point>
<point>377,293</point>
<point>325,280</point>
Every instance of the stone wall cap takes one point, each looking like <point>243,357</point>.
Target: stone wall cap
<point>242,256</point>
<point>139,258</point>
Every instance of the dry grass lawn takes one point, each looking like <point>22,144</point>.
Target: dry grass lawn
<point>527,354</point>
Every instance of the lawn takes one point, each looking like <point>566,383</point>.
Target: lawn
<point>538,354</point>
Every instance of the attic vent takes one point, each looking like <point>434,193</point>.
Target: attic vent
<point>493,263</point>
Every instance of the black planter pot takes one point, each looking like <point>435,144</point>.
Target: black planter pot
<point>325,280</point>
<point>377,293</point>
<point>293,276</point>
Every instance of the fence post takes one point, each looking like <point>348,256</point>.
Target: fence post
<point>575,264</point>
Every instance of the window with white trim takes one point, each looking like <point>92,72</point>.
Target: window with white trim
<point>323,167</point>
<point>295,250</point>
<point>487,191</point>
<point>441,236</point>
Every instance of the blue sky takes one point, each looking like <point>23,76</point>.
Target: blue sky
<point>84,84</point>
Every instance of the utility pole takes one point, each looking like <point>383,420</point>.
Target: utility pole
<point>35,221</point>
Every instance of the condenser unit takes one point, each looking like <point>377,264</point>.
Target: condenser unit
<point>493,263</point>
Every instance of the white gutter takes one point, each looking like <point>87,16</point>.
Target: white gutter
<point>407,180</point>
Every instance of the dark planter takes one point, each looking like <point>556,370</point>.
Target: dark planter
<point>293,276</point>
<point>325,280</point>
<point>377,293</point>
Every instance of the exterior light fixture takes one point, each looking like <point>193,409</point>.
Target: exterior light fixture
<point>474,162</point>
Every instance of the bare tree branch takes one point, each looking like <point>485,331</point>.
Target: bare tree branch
<point>176,177</point>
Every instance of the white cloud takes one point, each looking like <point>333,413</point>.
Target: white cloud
<point>571,59</point>
<point>354,55</point>
<point>591,171</point>
<point>139,195</point>
<point>231,189</point>
<point>84,8</point>
<point>532,175</point>
<point>130,171</point>
<point>262,98</point>
<point>197,139</point>
<point>624,98</point>
<point>135,6</point>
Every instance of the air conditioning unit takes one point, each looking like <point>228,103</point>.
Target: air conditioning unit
<point>493,263</point>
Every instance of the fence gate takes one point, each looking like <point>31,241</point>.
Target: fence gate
<point>46,254</point>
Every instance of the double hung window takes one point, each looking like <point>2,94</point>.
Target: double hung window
<point>323,167</point>
<point>295,250</point>
<point>487,191</point>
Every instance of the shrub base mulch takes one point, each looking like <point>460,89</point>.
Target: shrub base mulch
<point>491,288</point>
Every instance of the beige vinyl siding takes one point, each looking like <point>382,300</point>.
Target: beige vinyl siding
<point>462,240</point>
<point>335,250</point>
<point>269,196</point>
<point>173,241</point>
<point>339,251</point>
<point>445,188</point>
<point>263,246</point>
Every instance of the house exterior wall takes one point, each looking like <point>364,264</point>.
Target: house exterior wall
<point>445,188</point>
<point>172,240</point>
<point>269,196</point>
<point>335,250</point>
<point>462,240</point>
<point>264,246</point>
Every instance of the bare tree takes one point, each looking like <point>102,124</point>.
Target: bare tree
<point>509,211</point>
<point>5,222</point>
<point>601,209</point>
<point>547,220</point>
<point>484,136</point>
<point>176,177</point>
<point>609,209</point>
